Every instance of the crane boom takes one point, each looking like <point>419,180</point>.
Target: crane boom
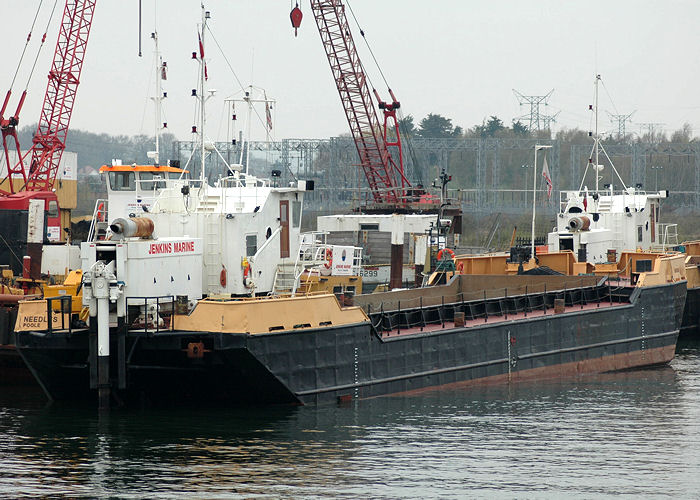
<point>64,77</point>
<point>50,137</point>
<point>386,179</point>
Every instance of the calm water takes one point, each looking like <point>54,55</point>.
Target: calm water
<point>628,434</point>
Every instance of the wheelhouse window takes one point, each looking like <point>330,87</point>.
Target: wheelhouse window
<point>53,208</point>
<point>149,181</point>
<point>122,181</point>
<point>296,213</point>
<point>251,244</point>
<point>640,232</point>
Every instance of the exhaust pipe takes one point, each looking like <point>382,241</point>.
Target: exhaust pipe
<point>581,223</point>
<point>134,227</point>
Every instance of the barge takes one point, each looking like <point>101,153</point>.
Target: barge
<point>312,349</point>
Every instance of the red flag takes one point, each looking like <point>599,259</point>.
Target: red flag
<point>201,56</point>
<point>268,115</point>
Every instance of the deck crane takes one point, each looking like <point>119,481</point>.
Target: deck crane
<point>38,166</point>
<point>385,175</point>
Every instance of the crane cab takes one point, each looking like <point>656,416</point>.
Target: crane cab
<point>28,220</point>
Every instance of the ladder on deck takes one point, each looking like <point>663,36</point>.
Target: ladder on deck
<point>604,204</point>
<point>670,235</point>
<point>285,279</point>
<point>212,251</point>
<point>208,203</point>
<point>99,224</point>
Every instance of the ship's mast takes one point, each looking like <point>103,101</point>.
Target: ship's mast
<point>202,97</point>
<point>597,139</point>
<point>158,99</point>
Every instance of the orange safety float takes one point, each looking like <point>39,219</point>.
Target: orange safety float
<point>246,273</point>
<point>222,276</point>
<point>100,212</point>
<point>449,251</point>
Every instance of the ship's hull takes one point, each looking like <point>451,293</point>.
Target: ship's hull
<point>358,361</point>
<point>690,326</point>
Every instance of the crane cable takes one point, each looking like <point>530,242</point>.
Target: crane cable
<point>26,44</point>
<point>362,32</point>
<point>43,41</point>
<point>401,117</point>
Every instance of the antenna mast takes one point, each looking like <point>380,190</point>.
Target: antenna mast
<point>202,97</point>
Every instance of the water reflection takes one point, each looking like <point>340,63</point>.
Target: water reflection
<point>632,433</point>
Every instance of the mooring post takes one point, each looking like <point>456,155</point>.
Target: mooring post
<point>544,300</point>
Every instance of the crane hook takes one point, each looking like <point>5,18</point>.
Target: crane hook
<point>295,16</point>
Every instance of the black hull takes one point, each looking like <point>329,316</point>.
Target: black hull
<point>690,326</point>
<point>354,361</point>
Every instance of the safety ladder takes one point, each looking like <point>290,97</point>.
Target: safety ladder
<point>212,251</point>
<point>209,203</point>
<point>618,233</point>
<point>285,279</point>
<point>99,223</point>
<point>670,235</point>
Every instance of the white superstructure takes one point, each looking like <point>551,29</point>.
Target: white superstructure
<point>590,223</point>
<point>597,225</point>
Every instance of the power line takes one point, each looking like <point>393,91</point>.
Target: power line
<point>621,121</point>
<point>652,129</point>
<point>536,119</point>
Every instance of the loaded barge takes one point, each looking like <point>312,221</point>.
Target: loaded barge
<point>311,349</point>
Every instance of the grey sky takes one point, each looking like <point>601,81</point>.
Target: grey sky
<point>459,58</point>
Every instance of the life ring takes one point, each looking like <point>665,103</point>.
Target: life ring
<point>460,267</point>
<point>100,212</point>
<point>222,276</point>
<point>246,274</point>
<point>448,250</point>
<point>329,258</point>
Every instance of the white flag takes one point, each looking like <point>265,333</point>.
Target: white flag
<point>547,177</point>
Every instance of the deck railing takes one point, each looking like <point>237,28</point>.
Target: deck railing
<point>413,314</point>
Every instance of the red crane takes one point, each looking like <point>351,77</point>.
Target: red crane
<point>38,167</point>
<point>385,176</point>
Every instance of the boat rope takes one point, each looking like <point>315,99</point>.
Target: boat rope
<point>43,41</point>
<point>10,249</point>
<point>609,96</point>
<point>230,67</point>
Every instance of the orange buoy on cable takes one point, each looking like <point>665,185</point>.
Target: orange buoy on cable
<point>329,258</point>
<point>222,276</point>
<point>444,251</point>
<point>295,16</point>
